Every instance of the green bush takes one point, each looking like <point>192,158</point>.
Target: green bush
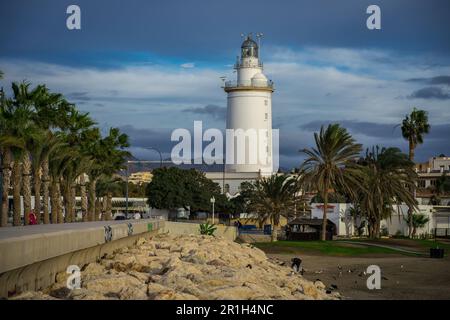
<point>207,229</point>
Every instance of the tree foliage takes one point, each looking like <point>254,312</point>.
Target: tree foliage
<point>173,188</point>
<point>324,169</point>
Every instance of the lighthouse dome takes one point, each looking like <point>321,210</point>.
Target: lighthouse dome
<point>259,76</point>
<point>249,48</point>
<point>259,80</point>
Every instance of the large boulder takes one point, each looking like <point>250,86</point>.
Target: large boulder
<point>186,267</point>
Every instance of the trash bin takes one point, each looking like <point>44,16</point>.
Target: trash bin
<point>268,229</point>
<point>437,253</point>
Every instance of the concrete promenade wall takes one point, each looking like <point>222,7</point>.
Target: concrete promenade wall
<point>32,256</point>
<point>228,232</point>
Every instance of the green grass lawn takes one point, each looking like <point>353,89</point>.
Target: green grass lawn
<point>323,247</point>
<point>338,248</point>
<point>413,243</point>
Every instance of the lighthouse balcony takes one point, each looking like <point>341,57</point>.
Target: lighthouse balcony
<point>248,64</point>
<point>253,84</point>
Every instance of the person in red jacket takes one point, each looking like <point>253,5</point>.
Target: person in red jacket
<point>32,218</point>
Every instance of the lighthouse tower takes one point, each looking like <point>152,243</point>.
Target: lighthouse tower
<point>249,112</point>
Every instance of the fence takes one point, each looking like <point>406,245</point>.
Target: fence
<point>442,233</point>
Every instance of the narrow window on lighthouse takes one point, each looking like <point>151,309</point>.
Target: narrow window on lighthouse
<point>266,116</point>
<point>265,102</point>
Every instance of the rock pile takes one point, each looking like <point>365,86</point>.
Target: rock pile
<point>185,267</point>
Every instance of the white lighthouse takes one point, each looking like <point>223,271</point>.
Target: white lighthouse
<point>249,112</point>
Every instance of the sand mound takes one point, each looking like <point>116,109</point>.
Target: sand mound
<point>185,267</point>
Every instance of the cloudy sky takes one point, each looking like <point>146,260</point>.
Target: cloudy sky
<point>149,67</point>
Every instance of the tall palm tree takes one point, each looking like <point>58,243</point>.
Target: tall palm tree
<point>40,148</point>
<point>414,127</point>
<point>274,197</point>
<point>80,134</point>
<point>6,156</point>
<point>18,115</point>
<point>385,183</point>
<point>106,187</point>
<point>324,168</point>
<point>58,162</point>
<point>108,155</point>
<point>75,167</point>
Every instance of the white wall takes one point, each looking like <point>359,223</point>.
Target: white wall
<point>339,215</point>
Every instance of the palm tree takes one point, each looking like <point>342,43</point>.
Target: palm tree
<point>414,127</point>
<point>17,113</point>
<point>106,187</point>
<point>58,162</point>
<point>274,197</point>
<point>75,167</point>
<point>40,148</point>
<point>443,184</point>
<point>324,167</point>
<point>418,221</point>
<point>108,156</point>
<point>51,114</point>
<point>6,156</point>
<point>385,183</point>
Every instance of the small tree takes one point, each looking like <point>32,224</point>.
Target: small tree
<point>173,188</point>
<point>418,221</point>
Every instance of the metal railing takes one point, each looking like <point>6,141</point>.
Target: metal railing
<point>249,83</point>
<point>248,64</point>
<point>441,232</point>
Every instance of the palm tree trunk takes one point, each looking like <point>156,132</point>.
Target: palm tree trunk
<point>84,198</point>
<point>26,186</point>
<point>45,191</point>
<point>104,207</point>
<point>411,150</point>
<point>58,201</point>
<point>73,199</point>
<point>109,206</point>
<point>37,194</point>
<point>98,209</point>
<point>6,179</point>
<point>67,195</point>
<point>410,210</point>
<point>54,201</point>
<point>324,223</point>
<point>16,182</point>
<point>377,229</point>
<point>92,198</point>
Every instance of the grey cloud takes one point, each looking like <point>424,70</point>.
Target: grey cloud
<point>378,130</point>
<point>78,96</point>
<point>218,113</point>
<point>145,138</point>
<point>430,93</point>
<point>443,80</point>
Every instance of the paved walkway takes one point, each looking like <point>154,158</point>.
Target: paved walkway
<point>15,232</point>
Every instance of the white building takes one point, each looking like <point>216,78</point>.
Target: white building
<point>249,115</point>
<point>429,172</point>
<point>338,213</point>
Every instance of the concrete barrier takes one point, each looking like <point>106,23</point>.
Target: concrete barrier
<point>172,227</point>
<point>31,256</point>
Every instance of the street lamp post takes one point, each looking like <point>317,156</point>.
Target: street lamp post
<point>213,201</point>
<point>127,174</point>
<point>160,154</point>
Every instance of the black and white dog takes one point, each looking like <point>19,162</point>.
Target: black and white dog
<point>297,265</point>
